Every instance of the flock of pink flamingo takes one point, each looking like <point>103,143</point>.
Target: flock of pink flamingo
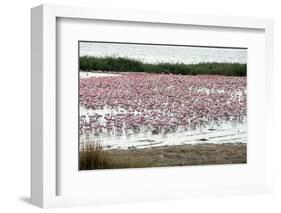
<point>159,103</point>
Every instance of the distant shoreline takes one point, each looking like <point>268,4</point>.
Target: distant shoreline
<point>121,64</point>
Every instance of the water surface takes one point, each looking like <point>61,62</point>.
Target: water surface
<point>162,53</point>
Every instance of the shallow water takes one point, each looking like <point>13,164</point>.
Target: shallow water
<point>84,74</point>
<point>167,54</point>
<point>223,132</point>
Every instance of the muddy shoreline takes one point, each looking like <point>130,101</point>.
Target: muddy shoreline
<point>178,155</point>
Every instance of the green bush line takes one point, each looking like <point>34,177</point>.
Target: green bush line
<point>122,64</point>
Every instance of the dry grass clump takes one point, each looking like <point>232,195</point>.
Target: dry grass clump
<point>93,157</point>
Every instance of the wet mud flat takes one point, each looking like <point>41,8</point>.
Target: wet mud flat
<point>178,155</point>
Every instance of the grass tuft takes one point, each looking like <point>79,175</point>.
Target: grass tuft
<point>93,157</point>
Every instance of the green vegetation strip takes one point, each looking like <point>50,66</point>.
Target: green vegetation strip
<point>122,64</point>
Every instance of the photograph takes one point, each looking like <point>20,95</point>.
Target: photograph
<point>161,105</point>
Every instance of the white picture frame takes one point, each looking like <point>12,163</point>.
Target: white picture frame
<point>44,83</point>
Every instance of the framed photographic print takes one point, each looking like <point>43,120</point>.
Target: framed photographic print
<point>148,105</point>
<point>154,105</point>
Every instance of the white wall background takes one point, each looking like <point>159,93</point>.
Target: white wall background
<point>15,99</point>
